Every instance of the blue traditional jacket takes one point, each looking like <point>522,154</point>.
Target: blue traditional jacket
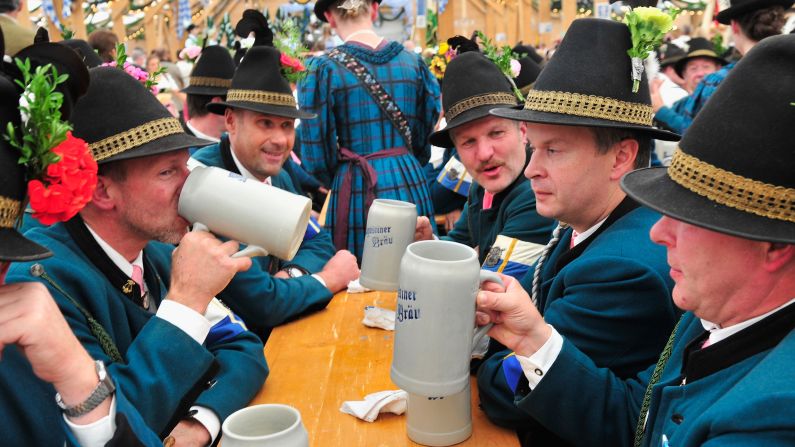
<point>610,296</point>
<point>510,235</point>
<point>737,392</point>
<point>159,368</point>
<point>31,418</point>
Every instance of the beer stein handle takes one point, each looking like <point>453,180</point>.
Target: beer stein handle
<point>251,250</point>
<point>486,275</point>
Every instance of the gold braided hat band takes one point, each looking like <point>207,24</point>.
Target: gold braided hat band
<point>590,106</point>
<point>494,99</point>
<point>732,190</point>
<point>261,97</point>
<point>206,81</point>
<point>137,136</point>
<point>9,212</point>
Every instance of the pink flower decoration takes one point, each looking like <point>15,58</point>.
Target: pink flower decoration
<point>190,53</point>
<point>516,68</point>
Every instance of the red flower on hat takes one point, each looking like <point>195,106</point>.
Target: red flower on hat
<point>291,63</point>
<point>67,185</point>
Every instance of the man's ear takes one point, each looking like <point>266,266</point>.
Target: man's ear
<point>230,120</point>
<point>625,151</point>
<point>104,194</point>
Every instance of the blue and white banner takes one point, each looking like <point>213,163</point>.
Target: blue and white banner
<point>511,256</point>
<point>49,9</point>
<point>183,17</point>
<point>454,176</point>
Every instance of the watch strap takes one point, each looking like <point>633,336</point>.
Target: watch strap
<point>104,388</point>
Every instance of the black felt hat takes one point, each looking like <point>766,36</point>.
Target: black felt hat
<point>259,86</point>
<point>322,5</point>
<point>528,51</point>
<point>66,61</point>
<point>120,119</point>
<point>698,47</point>
<point>13,185</point>
<point>212,74</point>
<point>671,54</point>
<point>528,74</point>
<point>737,8</point>
<point>734,170</point>
<point>472,86</point>
<point>89,56</point>
<point>589,83</point>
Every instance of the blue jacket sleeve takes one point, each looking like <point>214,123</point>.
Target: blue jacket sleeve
<point>601,313</point>
<point>265,302</point>
<point>242,371</point>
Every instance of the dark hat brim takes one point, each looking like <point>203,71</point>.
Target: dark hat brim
<point>168,143</point>
<point>653,188</point>
<point>560,119</point>
<point>730,13</point>
<point>206,91</point>
<point>442,137</point>
<point>219,108</point>
<point>15,247</point>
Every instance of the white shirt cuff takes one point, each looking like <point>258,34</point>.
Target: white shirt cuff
<point>535,366</point>
<point>97,433</point>
<point>209,420</point>
<point>186,319</point>
<point>317,277</point>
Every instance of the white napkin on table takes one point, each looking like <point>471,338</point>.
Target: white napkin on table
<point>380,318</point>
<point>393,401</point>
<point>356,287</point>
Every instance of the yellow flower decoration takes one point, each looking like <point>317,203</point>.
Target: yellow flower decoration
<point>648,27</point>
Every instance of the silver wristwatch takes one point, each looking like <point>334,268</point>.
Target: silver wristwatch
<point>104,388</point>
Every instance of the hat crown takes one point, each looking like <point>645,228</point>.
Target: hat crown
<point>471,74</point>
<point>115,102</point>
<point>260,70</point>
<point>12,182</point>
<point>700,45</point>
<point>601,45</point>
<point>745,126</point>
<point>214,62</point>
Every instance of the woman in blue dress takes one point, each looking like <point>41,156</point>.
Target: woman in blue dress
<point>376,105</point>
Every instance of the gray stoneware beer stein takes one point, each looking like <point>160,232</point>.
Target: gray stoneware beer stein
<point>267,425</point>
<point>390,229</point>
<point>265,218</point>
<point>435,317</point>
<point>440,421</point>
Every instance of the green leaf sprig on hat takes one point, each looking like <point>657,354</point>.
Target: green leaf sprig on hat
<point>39,106</point>
<point>288,42</point>
<point>648,27</point>
<point>504,58</point>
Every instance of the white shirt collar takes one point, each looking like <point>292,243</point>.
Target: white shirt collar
<point>245,172</point>
<point>717,333</point>
<point>199,133</point>
<point>123,264</point>
<point>579,237</point>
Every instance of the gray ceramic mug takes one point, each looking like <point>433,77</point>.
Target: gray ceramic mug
<point>267,219</point>
<point>266,425</point>
<point>435,317</point>
<point>440,421</point>
<point>390,229</point>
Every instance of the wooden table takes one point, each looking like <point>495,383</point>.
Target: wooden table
<point>329,357</point>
